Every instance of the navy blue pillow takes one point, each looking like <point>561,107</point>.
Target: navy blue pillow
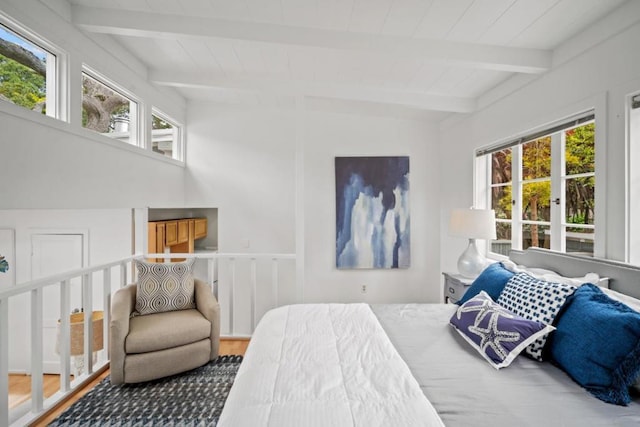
<point>491,280</point>
<point>597,342</point>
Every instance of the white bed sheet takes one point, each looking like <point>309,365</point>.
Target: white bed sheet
<point>467,391</point>
<point>324,365</point>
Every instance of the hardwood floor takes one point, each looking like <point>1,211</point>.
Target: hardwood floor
<point>20,385</point>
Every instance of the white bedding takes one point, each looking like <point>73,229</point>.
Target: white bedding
<point>324,365</point>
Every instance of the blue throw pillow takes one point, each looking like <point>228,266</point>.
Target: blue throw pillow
<point>491,280</point>
<point>496,333</point>
<point>597,342</point>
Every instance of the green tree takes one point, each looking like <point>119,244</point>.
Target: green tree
<point>536,196</point>
<point>158,123</point>
<point>21,85</point>
<point>580,158</point>
<point>23,82</point>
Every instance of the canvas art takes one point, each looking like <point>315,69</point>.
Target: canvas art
<point>372,212</point>
<point>7,257</point>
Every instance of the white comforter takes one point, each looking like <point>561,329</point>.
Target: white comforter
<point>324,365</point>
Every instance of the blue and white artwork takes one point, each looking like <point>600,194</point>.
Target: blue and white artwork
<point>372,212</point>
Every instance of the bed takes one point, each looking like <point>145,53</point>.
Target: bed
<point>405,365</point>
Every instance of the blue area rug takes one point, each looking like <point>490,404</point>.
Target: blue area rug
<point>194,398</point>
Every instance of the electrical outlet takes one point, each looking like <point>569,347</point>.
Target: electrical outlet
<point>364,289</point>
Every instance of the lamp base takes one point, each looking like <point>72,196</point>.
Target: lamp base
<point>471,262</point>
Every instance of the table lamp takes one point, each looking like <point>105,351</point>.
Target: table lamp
<point>472,224</point>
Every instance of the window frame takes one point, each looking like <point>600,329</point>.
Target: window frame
<point>57,90</point>
<point>179,143</point>
<point>632,201</point>
<point>557,222</point>
<point>136,132</point>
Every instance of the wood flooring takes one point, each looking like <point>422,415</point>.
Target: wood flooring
<point>20,385</point>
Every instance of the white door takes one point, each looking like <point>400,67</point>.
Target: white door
<point>53,254</point>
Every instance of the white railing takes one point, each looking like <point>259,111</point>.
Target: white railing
<point>31,410</point>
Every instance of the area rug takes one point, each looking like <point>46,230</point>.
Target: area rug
<point>194,398</point>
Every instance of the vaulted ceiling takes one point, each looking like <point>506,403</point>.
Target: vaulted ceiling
<point>425,57</point>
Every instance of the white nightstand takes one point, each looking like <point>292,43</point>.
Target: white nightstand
<point>455,285</point>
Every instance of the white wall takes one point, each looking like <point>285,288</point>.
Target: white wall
<point>329,135</point>
<point>46,167</point>
<point>243,161</point>
<point>599,78</point>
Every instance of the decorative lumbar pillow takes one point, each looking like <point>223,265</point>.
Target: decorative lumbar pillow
<point>496,333</point>
<point>536,300</point>
<point>598,344</point>
<point>164,286</point>
<point>491,280</point>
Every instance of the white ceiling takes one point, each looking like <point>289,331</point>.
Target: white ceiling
<point>426,58</point>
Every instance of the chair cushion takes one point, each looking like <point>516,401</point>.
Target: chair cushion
<point>160,331</point>
<point>164,286</point>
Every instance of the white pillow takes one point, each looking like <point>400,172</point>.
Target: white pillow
<point>632,302</point>
<point>552,276</point>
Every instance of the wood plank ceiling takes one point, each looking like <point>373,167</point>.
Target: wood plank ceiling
<point>408,57</point>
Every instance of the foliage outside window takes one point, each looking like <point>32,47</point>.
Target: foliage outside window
<point>107,111</point>
<point>25,70</point>
<point>544,203</point>
<point>165,136</point>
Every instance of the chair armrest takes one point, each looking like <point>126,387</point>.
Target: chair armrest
<point>207,304</point>
<point>123,302</point>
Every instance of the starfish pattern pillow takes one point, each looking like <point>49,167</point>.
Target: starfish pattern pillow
<point>496,333</point>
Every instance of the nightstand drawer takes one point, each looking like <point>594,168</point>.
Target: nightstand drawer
<point>455,286</point>
<point>454,290</point>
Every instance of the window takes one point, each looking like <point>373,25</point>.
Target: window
<point>27,70</point>
<point>166,136</point>
<point>633,178</point>
<point>107,110</point>
<point>542,188</point>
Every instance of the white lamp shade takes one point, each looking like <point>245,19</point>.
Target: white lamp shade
<point>473,223</point>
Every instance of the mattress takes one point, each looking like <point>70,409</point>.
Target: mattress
<point>324,365</point>
<point>467,391</point>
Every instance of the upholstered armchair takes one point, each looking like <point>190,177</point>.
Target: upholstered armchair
<point>156,345</point>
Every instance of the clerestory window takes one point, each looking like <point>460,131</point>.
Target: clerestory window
<point>166,136</point>
<point>108,110</point>
<point>28,70</point>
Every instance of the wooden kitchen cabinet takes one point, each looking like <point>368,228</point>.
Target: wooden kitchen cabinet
<point>171,233</point>
<point>178,235</point>
<point>183,230</point>
<point>200,227</point>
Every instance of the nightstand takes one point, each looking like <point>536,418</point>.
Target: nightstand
<point>455,285</point>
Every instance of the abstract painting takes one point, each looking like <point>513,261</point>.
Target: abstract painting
<point>372,212</point>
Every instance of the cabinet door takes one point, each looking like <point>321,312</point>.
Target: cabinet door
<point>160,236</point>
<point>152,237</point>
<point>200,228</point>
<point>171,233</point>
<point>183,231</point>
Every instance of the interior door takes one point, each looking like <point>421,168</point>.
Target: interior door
<point>53,254</point>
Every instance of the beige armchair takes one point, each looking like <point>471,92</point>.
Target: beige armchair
<point>144,348</point>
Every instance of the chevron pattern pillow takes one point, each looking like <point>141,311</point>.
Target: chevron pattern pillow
<point>164,286</point>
